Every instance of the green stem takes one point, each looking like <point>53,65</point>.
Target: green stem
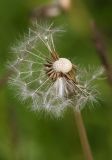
<point>83,136</point>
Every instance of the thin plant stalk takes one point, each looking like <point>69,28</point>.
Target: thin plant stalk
<point>83,136</point>
<point>101,49</point>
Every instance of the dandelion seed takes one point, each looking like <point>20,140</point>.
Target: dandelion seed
<point>48,81</point>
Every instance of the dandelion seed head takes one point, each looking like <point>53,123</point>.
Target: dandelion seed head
<point>46,81</point>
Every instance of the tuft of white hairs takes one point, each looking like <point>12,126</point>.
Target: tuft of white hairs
<point>31,83</point>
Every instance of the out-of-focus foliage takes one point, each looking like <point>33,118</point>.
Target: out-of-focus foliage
<point>26,135</point>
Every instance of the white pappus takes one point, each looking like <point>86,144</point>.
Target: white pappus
<point>44,79</point>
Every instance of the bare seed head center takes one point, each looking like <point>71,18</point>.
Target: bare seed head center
<point>62,65</point>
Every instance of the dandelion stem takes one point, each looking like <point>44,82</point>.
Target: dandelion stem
<point>83,136</point>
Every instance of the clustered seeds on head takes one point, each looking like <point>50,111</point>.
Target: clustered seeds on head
<point>44,79</point>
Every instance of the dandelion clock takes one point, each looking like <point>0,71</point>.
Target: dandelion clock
<point>46,79</point>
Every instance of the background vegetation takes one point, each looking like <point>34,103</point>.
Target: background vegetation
<point>25,135</point>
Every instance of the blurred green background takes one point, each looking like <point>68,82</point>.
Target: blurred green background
<point>25,135</point>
